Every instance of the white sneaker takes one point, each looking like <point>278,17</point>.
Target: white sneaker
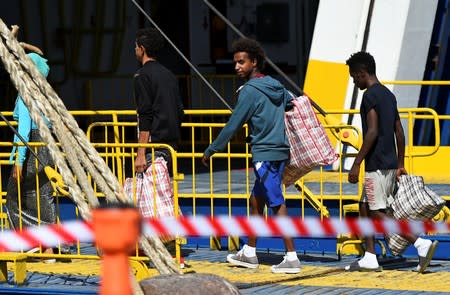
<point>242,260</point>
<point>287,266</point>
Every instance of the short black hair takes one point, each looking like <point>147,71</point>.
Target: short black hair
<point>362,61</point>
<point>151,39</point>
<point>253,49</point>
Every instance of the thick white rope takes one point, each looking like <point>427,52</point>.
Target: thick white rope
<point>42,99</point>
<point>16,76</point>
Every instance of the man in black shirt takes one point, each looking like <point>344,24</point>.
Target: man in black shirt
<point>384,159</point>
<point>159,107</point>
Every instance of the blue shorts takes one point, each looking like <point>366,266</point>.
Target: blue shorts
<point>268,182</point>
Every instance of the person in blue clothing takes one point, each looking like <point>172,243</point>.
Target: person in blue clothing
<point>23,209</point>
<point>261,104</point>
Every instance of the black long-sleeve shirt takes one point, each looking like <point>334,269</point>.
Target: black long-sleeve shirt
<point>159,107</point>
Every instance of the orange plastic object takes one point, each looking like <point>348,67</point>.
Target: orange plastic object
<point>116,232</point>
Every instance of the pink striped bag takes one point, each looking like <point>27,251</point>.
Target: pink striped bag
<point>310,145</point>
<point>142,191</point>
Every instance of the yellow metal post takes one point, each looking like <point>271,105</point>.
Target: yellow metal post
<point>118,149</point>
<point>19,266</point>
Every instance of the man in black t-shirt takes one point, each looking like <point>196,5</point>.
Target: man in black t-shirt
<point>159,107</point>
<point>383,150</point>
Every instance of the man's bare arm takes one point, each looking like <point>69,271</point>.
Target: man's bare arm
<point>369,139</point>
<point>140,163</point>
<point>400,138</point>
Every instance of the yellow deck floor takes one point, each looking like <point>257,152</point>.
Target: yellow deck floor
<point>309,275</point>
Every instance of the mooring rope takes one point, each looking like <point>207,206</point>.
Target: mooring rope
<point>80,156</point>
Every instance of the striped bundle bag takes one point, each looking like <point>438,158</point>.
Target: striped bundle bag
<point>152,194</point>
<point>310,145</point>
<point>413,201</point>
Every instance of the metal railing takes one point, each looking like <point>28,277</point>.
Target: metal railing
<point>225,186</point>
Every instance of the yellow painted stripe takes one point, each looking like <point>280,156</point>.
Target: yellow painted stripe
<point>329,276</point>
<point>309,275</point>
<point>434,169</point>
<point>387,279</point>
<point>326,84</point>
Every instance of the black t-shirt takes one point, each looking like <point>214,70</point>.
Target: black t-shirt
<point>158,102</point>
<point>383,154</point>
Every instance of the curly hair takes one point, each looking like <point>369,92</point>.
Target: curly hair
<point>362,61</point>
<point>253,49</point>
<point>151,39</point>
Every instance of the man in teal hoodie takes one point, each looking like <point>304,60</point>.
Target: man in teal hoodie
<point>261,103</point>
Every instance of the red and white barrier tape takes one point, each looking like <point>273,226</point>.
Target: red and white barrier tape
<point>70,232</point>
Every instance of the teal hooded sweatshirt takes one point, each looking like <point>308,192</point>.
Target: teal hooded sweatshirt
<point>261,104</point>
<point>22,115</point>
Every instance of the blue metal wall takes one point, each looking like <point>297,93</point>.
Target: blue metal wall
<point>438,68</point>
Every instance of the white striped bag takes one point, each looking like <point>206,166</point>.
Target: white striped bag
<point>414,200</point>
<point>144,189</point>
<point>310,145</point>
<point>397,244</point>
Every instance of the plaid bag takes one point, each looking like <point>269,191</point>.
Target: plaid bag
<point>414,200</point>
<point>310,145</point>
<point>397,244</point>
<point>142,191</point>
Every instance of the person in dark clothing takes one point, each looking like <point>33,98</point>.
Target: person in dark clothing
<point>383,150</point>
<point>158,102</point>
<point>261,103</point>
